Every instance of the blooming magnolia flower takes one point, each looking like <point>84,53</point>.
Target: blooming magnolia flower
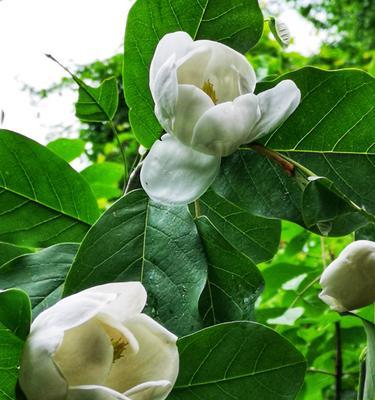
<point>349,282</point>
<point>203,94</point>
<point>96,345</point>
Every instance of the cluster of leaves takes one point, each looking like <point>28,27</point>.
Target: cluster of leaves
<point>205,269</point>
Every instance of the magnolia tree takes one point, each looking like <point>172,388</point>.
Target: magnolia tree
<point>155,298</point>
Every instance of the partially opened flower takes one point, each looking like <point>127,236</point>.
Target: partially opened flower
<point>203,94</point>
<point>349,281</point>
<point>96,345</point>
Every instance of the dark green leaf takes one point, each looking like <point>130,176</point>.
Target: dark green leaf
<point>234,282</point>
<point>139,240</point>
<point>97,104</point>
<point>43,200</point>
<point>15,312</point>
<point>236,23</point>
<point>15,316</point>
<point>104,179</point>
<point>10,251</point>
<point>67,149</point>
<point>238,360</point>
<point>256,237</point>
<point>323,206</point>
<point>366,233</point>
<point>41,274</point>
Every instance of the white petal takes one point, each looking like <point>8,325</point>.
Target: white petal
<point>40,378</point>
<point>72,311</point>
<point>177,43</point>
<point>85,355</point>
<point>175,173</point>
<point>276,105</point>
<point>226,126</point>
<point>193,66</point>
<point>154,390</point>
<point>192,103</point>
<point>229,71</point>
<point>164,92</point>
<point>94,392</point>
<point>157,359</point>
<point>129,298</point>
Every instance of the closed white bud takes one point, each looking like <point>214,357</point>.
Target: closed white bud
<point>349,282</point>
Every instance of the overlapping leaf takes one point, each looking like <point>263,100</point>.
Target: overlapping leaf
<point>139,240</point>
<point>234,282</point>
<point>41,275</point>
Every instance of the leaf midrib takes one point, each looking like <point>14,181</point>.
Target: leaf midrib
<point>45,205</point>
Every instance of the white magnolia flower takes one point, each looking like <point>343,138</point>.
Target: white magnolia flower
<point>349,282</point>
<point>96,345</point>
<point>203,94</point>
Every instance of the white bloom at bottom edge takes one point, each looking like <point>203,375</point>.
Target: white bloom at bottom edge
<point>96,345</point>
<point>348,283</point>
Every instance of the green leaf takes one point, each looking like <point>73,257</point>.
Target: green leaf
<point>369,390</point>
<point>41,274</point>
<point>15,318</point>
<point>323,206</point>
<point>15,312</point>
<point>238,360</point>
<point>234,282</point>
<point>43,200</point>
<point>236,23</point>
<point>366,233</point>
<point>139,240</point>
<point>67,149</point>
<point>258,238</point>
<point>104,179</point>
<point>10,251</point>
<point>336,114</point>
<point>97,104</point>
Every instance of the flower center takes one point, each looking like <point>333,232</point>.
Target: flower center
<point>209,89</point>
<point>119,346</point>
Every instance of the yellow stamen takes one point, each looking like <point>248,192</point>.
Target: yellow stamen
<point>209,89</point>
<point>119,346</point>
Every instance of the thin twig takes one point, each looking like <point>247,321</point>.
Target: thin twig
<point>338,375</point>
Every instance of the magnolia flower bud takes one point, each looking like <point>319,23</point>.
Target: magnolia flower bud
<point>204,99</point>
<point>280,31</point>
<point>96,345</point>
<point>349,282</point>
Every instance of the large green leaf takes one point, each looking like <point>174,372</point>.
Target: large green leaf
<point>256,237</point>
<point>43,200</point>
<point>10,251</point>
<point>336,114</point>
<point>236,23</point>
<point>234,282</point>
<point>14,325</point>
<point>238,360</point>
<point>41,274</point>
<point>369,389</point>
<point>139,240</point>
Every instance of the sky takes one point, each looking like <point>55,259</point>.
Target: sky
<point>76,32</point>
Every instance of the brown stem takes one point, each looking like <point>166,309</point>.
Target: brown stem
<point>338,375</point>
<point>287,166</point>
